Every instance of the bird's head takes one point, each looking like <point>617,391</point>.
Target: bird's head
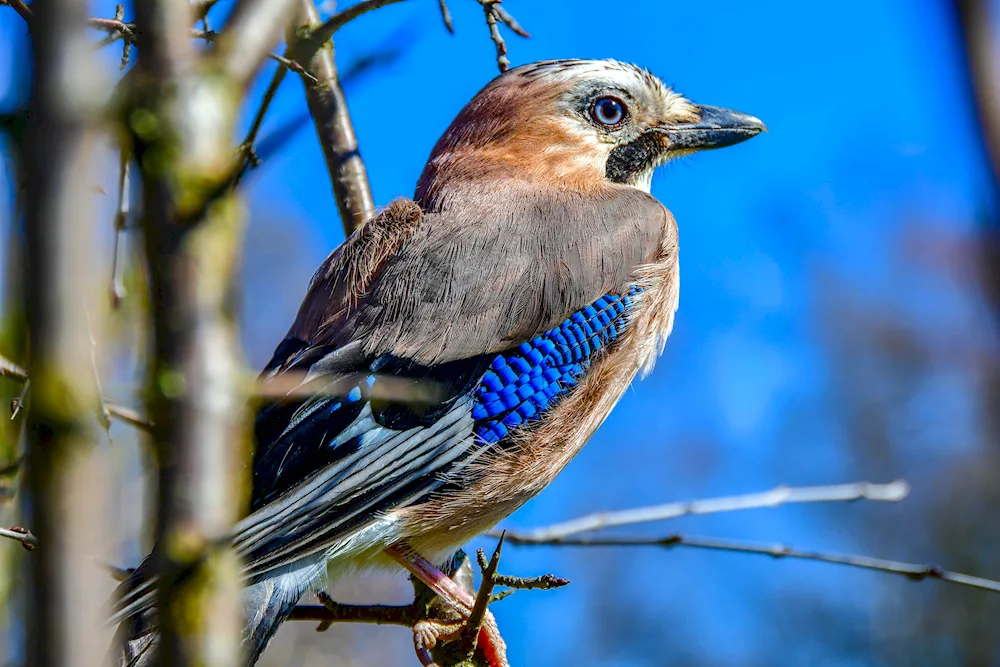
<point>576,124</point>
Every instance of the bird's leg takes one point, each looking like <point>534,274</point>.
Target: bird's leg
<point>427,634</point>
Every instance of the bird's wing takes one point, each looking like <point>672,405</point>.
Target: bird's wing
<point>398,329</point>
<point>398,360</point>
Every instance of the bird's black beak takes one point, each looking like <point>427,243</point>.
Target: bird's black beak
<point>715,128</point>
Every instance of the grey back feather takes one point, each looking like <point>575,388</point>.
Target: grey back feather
<point>497,264</point>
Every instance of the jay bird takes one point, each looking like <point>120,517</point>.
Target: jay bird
<point>458,349</point>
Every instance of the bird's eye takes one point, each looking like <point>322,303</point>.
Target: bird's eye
<point>608,111</point>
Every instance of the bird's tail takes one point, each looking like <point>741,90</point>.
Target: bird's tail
<point>266,605</point>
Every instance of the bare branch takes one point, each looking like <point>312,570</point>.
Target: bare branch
<point>11,469</point>
<point>21,8</point>
<point>102,412</point>
<point>63,478</point>
<point>248,153</point>
<point>328,107</point>
<point>115,25</point>
<point>322,32</point>
<point>782,495</point>
<point>192,236</point>
<point>446,16</point>
<point>22,535</point>
<point>976,27</point>
<point>127,415</point>
<point>121,223</point>
<point>18,403</point>
<point>912,571</point>
<point>503,64</point>
<point>470,633</point>
<point>496,14</point>
<point>335,612</point>
<point>9,369</point>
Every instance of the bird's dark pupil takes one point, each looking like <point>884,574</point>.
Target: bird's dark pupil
<point>609,111</point>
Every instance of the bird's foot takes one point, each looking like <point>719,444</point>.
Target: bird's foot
<point>470,631</point>
<point>463,631</point>
<point>443,639</point>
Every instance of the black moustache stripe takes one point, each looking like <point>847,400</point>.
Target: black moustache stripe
<point>628,160</point>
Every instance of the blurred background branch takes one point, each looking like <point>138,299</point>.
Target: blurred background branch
<point>782,495</point>
<point>65,480</point>
<point>182,115</point>
<point>911,571</point>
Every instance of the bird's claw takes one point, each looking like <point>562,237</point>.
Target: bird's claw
<point>490,647</point>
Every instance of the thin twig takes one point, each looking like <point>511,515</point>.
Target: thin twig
<point>292,66</point>
<point>12,468</point>
<point>21,8</point>
<point>129,416</point>
<point>975,24</point>
<point>470,633</point>
<point>126,41</point>
<point>22,535</point>
<point>510,21</point>
<point>501,46</point>
<point>912,571</point>
<point>17,404</point>
<point>248,158</point>
<point>545,582</point>
<point>782,495</point>
<point>121,223</point>
<point>496,14</point>
<point>103,414</point>
<point>212,37</point>
<point>309,45</point>
<point>115,25</point>
<point>9,369</point>
<point>446,16</point>
<point>331,611</point>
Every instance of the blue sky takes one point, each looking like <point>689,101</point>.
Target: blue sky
<point>871,136</point>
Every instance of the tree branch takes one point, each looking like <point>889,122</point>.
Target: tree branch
<point>131,417</point>
<point>782,495</point>
<point>912,571</point>
<point>182,115</point>
<point>335,612</point>
<point>21,8</point>
<point>334,128</point>
<point>321,33</point>
<point>9,369</point>
<point>22,535</point>
<point>63,478</point>
<point>496,14</point>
